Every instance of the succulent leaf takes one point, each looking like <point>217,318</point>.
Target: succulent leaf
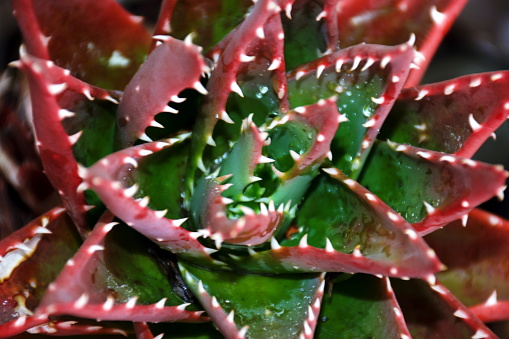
<point>455,116</point>
<point>293,176</point>
<point>342,214</point>
<point>376,309</point>
<point>25,276</point>
<point>392,22</point>
<point>366,80</point>
<point>475,259</point>
<point>278,309</point>
<point>429,189</point>
<point>54,145</point>
<point>154,85</point>
<point>112,277</point>
<point>432,311</point>
<point>65,31</point>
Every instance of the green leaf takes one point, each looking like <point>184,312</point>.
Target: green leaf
<point>454,116</point>
<point>435,313</point>
<point>406,177</point>
<point>304,37</point>
<point>129,270</point>
<point>96,120</point>
<point>363,84</point>
<point>272,306</point>
<point>211,21</point>
<point>160,176</point>
<point>342,213</point>
<point>476,257</point>
<point>358,307</point>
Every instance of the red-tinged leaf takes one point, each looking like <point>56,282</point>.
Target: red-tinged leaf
<point>48,92</point>
<point>109,179</point>
<point>223,81</point>
<point>431,311</point>
<point>454,116</point>
<point>366,79</point>
<point>142,331</point>
<point>209,21</point>
<point>97,40</point>
<point>21,167</point>
<point>112,277</point>
<point>392,22</point>
<point>25,274</point>
<point>36,41</point>
<point>258,306</point>
<point>261,78</point>
<point>311,30</point>
<point>491,312</point>
<point>155,84</point>
<point>429,189</point>
<point>84,109</point>
<point>210,214</point>
<point>360,306</point>
<point>73,328</point>
<point>477,261</point>
<point>341,216</point>
<point>320,122</point>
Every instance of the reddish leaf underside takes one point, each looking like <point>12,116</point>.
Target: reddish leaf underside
<point>155,84</point>
<point>477,262</point>
<point>25,275</point>
<point>431,311</point>
<point>454,116</point>
<point>280,306</point>
<point>47,81</point>
<point>360,306</point>
<point>392,22</point>
<point>115,50</point>
<point>366,79</point>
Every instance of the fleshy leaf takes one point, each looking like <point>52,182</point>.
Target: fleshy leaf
<point>431,311</point>
<point>429,189</point>
<point>223,81</point>
<point>210,213</point>
<point>110,178</point>
<point>476,258</point>
<point>366,79</point>
<point>160,176</point>
<point>20,167</point>
<point>209,21</point>
<point>392,22</point>
<point>25,275</point>
<point>454,116</point>
<point>340,215</point>
<point>305,35</point>
<point>112,277</point>
<point>266,306</point>
<point>106,57</point>
<point>155,84</point>
<point>53,93</point>
<point>68,328</point>
<point>360,306</point>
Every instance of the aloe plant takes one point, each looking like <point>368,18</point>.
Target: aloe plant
<point>258,170</point>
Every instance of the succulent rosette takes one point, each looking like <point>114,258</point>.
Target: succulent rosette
<point>257,170</point>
